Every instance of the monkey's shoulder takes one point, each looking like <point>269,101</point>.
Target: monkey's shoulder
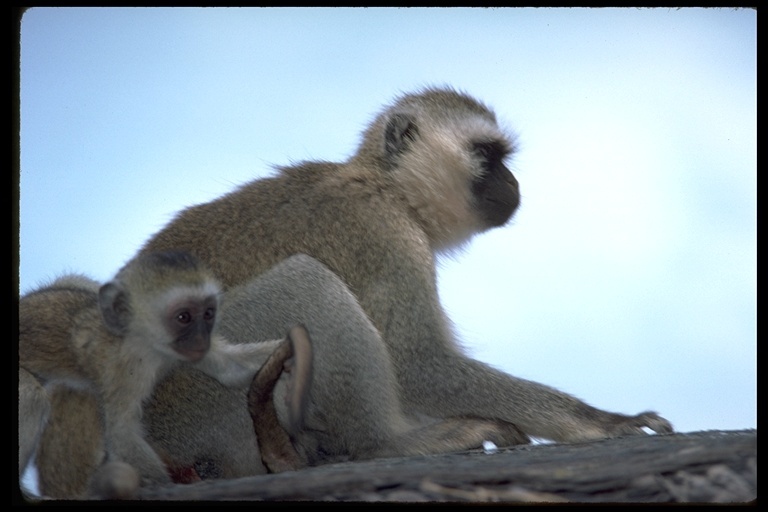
<point>309,172</point>
<point>305,195</point>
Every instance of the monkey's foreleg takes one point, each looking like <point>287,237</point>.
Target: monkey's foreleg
<point>294,356</point>
<point>235,364</point>
<point>124,440</point>
<point>455,434</point>
<point>480,391</point>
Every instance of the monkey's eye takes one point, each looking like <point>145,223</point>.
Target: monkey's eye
<point>491,152</point>
<point>209,314</point>
<point>184,317</point>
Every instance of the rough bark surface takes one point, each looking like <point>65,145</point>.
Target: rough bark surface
<point>709,466</point>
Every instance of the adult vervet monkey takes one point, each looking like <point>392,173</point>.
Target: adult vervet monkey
<point>116,341</point>
<point>428,175</point>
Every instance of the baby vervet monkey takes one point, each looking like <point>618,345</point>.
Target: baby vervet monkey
<point>117,340</point>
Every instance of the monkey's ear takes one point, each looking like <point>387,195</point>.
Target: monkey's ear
<point>113,303</point>
<point>401,131</point>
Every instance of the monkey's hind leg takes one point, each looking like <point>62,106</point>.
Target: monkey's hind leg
<point>293,356</point>
<point>34,408</point>
<point>72,445</point>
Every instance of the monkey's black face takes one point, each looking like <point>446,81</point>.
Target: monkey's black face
<point>496,190</point>
<point>190,323</point>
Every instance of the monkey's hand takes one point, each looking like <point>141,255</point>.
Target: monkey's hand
<point>115,480</point>
<point>235,364</point>
<point>149,466</point>
<point>633,425</point>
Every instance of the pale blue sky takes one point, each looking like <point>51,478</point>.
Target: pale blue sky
<point>628,276</point>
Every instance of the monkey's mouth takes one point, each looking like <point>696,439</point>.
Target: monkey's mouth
<point>500,210</point>
<point>194,356</point>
